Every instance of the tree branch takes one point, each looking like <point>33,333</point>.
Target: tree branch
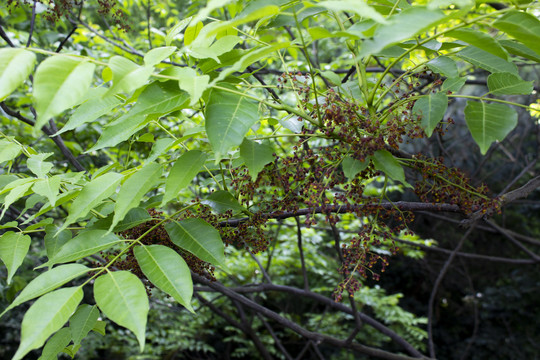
<point>50,133</point>
<point>343,209</point>
<point>316,337</point>
<point>327,301</point>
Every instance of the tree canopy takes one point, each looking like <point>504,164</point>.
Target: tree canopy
<point>272,179</point>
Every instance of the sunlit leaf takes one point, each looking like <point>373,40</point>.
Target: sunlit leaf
<point>60,83</point>
<point>8,150</point>
<point>37,164</point>
<point>85,244</point>
<point>56,344</point>
<point>159,98</point>
<point>91,195</point>
<point>13,248</point>
<point>402,26</point>
<point>127,76</point>
<point>156,55</point>
<point>176,29</point>
<point>91,110</point>
<point>82,322</point>
<point>46,316</point>
<point>54,240</point>
<point>182,173</point>
<point>47,282</point>
<point>166,269</point>
<point>228,119</point>
<point>48,187</point>
<point>199,238</point>
<point>16,64</point>
<point>133,190</point>
<point>121,296</point>
<point>359,7</point>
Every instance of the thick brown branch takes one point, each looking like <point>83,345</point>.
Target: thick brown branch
<point>342,209</point>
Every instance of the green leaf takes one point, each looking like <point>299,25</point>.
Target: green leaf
<point>443,65</point>
<point>15,66</point>
<point>190,81</point>
<point>522,26</point>
<point>48,187</point>
<point>211,30</point>
<point>159,147</point>
<point>159,98</point>
<point>54,240</point>
<point>431,108</point>
<point>489,122</point>
<point>183,171</point>
<point>82,322</point>
<point>220,47</point>
<point>92,195</point>
<point>199,238</point>
<point>91,110</point>
<point>60,83</point>
<point>8,150</point>
<point>222,201</point>
<point>134,217</point>
<point>249,58</point>
<point>46,316</point>
<point>387,163</point>
<point>56,344</point>
<point>122,298</point>
<point>100,327</point>
<point>157,55</point>
<point>127,76</point>
<point>352,166</point>
<point>16,193</point>
<point>192,31</point>
<point>486,61</point>
<point>433,4</point>
<point>402,26</point>
<point>36,163</point>
<point>358,7</point>
<point>10,224</point>
<point>480,40</point>
<point>71,350</point>
<point>513,47</point>
<point>453,84</point>
<point>508,84</point>
<point>13,248</point>
<point>228,119</point>
<point>176,29</point>
<point>256,156</point>
<point>85,244</point>
<point>47,282</point>
<point>166,269</point>
<point>133,190</point>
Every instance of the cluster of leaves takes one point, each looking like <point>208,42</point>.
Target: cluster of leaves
<point>220,129</point>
